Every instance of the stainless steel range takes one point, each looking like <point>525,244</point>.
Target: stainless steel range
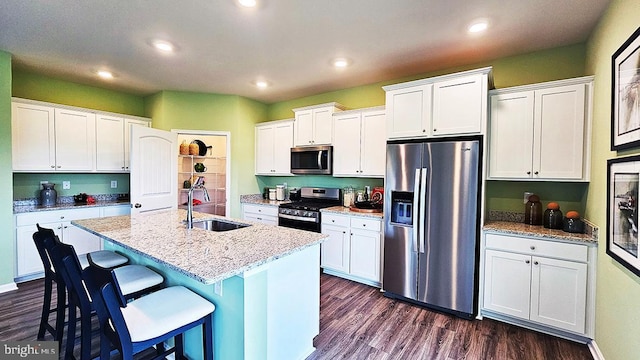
<point>305,214</point>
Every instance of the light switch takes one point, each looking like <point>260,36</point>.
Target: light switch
<point>66,185</point>
<point>114,184</point>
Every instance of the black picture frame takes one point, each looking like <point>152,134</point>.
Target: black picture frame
<point>623,178</point>
<point>625,94</point>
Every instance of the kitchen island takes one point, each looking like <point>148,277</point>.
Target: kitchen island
<point>264,280</point>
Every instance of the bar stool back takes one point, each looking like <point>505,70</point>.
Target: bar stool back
<point>150,320</point>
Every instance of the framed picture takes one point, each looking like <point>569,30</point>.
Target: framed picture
<point>623,176</point>
<point>625,94</point>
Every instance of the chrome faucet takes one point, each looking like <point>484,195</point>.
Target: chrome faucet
<point>199,184</point>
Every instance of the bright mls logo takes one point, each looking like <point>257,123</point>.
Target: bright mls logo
<point>42,350</point>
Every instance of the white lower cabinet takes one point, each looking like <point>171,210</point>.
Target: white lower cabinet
<point>548,285</point>
<point>28,263</point>
<point>352,249</point>
<point>260,213</point>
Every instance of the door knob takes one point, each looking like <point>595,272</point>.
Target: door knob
<point>137,206</point>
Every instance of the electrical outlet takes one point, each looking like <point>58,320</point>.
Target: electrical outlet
<point>526,196</point>
<point>114,184</point>
<point>66,185</point>
<point>44,182</point>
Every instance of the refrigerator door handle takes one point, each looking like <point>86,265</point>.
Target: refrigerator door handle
<point>422,215</point>
<point>416,202</point>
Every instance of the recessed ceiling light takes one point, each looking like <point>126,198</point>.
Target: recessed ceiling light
<point>248,3</point>
<point>164,46</point>
<point>478,26</point>
<point>261,84</point>
<point>340,63</point>
<point>105,74</point>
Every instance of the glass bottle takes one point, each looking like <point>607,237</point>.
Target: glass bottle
<point>533,211</point>
<point>552,218</point>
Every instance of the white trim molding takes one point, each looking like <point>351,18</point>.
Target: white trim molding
<point>595,351</point>
<point>8,287</point>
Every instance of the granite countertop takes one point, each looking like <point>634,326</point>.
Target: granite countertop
<point>206,256</point>
<point>256,199</point>
<point>346,211</point>
<point>506,227</point>
<point>19,209</point>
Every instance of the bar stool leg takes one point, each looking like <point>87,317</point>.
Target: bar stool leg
<point>60,311</point>
<point>46,307</point>
<point>207,338</point>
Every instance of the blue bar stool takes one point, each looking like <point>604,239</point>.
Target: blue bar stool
<point>105,258</point>
<point>148,321</point>
<point>137,280</point>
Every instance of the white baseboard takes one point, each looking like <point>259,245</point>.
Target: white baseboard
<point>8,287</point>
<point>595,351</point>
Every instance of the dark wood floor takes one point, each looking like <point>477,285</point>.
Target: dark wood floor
<point>357,322</point>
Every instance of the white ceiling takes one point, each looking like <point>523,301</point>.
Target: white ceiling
<point>224,48</point>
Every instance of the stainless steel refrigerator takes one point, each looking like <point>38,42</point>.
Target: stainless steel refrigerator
<point>432,223</point>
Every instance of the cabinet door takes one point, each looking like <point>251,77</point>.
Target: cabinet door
<point>559,137</point>
<point>364,258</point>
<point>127,138</point>
<point>409,112</point>
<point>82,241</point>
<point>511,136</point>
<point>507,283</point>
<point>559,293</point>
<point>334,251</point>
<point>347,145</point>
<point>458,106</point>
<point>33,137</point>
<point>373,144</point>
<point>109,143</point>
<point>283,142</point>
<point>75,140</point>
<point>303,128</point>
<point>265,143</point>
<point>322,126</point>
<point>27,257</point>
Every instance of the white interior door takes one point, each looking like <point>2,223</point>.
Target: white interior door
<point>154,169</point>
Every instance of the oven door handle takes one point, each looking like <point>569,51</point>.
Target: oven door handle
<point>291,217</point>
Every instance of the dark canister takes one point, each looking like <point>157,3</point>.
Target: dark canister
<point>533,211</point>
<point>48,195</point>
<point>552,218</point>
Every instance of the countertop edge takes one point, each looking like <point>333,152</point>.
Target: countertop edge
<point>505,227</point>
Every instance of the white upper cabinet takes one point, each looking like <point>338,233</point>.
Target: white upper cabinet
<point>359,143</point>
<point>46,138</point>
<point>314,124</point>
<point>274,140</point>
<point>459,106</point>
<point>49,137</point>
<point>542,131</point>
<point>448,105</point>
<point>112,142</point>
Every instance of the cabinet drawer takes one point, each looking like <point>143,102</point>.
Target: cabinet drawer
<point>365,224</point>
<point>338,220</point>
<point>575,252</point>
<point>56,215</point>
<point>258,209</point>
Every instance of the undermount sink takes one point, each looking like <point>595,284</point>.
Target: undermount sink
<point>217,225</point>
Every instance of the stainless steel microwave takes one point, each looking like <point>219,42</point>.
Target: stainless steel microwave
<point>312,160</point>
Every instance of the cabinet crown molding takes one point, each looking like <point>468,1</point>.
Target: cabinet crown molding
<point>334,104</point>
<point>274,122</point>
<point>356,111</point>
<point>482,71</point>
<point>543,85</point>
<point>77,108</point>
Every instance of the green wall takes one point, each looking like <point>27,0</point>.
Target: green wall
<point>6,196</point>
<point>546,65</point>
<point>618,290</point>
<point>215,112</point>
<point>26,185</point>
<point>38,87</point>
